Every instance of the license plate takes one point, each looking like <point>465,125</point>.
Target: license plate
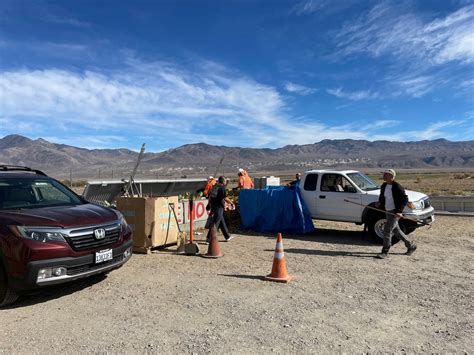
<point>103,255</point>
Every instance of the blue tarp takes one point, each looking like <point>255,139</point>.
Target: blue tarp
<point>274,209</point>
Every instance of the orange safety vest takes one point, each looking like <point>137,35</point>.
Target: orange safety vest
<point>245,182</point>
<point>241,181</point>
<point>248,182</point>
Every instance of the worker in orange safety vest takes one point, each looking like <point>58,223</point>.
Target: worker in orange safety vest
<point>245,182</point>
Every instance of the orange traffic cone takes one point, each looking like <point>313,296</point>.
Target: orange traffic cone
<point>279,273</point>
<point>214,250</point>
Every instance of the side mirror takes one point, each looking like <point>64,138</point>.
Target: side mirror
<point>351,189</point>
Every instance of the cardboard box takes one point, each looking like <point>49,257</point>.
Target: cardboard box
<point>263,182</point>
<point>151,220</point>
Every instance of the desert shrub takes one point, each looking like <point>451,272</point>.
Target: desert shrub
<point>461,176</point>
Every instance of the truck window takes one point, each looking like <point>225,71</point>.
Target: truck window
<point>363,181</point>
<point>310,182</point>
<point>336,183</point>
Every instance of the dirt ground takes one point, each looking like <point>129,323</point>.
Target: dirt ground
<point>343,299</point>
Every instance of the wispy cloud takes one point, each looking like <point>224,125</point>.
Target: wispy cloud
<point>90,142</point>
<point>69,21</point>
<point>416,86</point>
<point>386,30</point>
<point>428,52</point>
<point>352,95</point>
<point>440,129</point>
<point>435,130</point>
<point>173,104</point>
<point>21,126</point>
<point>307,7</point>
<point>299,89</point>
<point>310,6</point>
<point>469,83</point>
<point>384,124</point>
<point>49,49</point>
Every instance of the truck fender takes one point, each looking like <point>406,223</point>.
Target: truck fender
<point>4,265</point>
<point>368,213</point>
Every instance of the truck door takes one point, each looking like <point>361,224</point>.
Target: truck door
<point>330,204</point>
<point>309,192</point>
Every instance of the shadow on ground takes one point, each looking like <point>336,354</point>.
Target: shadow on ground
<point>322,235</point>
<point>330,253</point>
<point>57,291</point>
<point>251,277</point>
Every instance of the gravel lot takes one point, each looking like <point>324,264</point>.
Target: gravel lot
<point>342,299</point>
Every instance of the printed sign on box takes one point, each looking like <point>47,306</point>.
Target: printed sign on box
<point>199,210</point>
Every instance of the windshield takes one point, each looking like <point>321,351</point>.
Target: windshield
<point>34,193</point>
<point>363,181</point>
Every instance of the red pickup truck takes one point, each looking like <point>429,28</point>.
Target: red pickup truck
<point>50,235</point>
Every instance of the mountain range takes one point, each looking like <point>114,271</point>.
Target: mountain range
<point>201,159</point>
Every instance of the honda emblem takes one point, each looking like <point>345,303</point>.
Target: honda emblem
<point>99,233</point>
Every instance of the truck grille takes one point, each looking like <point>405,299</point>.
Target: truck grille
<point>84,238</point>
<point>426,203</point>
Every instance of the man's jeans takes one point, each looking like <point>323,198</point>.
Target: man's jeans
<point>392,227</point>
<point>219,221</point>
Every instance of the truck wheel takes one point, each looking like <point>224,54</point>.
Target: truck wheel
<point>7,295</point>
<point>407,228</point>
<point>376,226</point>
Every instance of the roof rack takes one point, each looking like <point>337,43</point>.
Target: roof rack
<point>20,168</point>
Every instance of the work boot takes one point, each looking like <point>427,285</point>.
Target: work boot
<point>382,255</point>
<point>411,249</point>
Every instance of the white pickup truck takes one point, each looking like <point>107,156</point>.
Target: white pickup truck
<point>325,192</point>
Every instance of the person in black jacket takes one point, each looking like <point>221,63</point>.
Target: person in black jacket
<point>217,200</point>
<point>393,199</point>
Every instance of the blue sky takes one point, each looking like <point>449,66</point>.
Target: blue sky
<point>109,74</point>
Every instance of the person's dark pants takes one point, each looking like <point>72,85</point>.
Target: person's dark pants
<point>219,222</point>
<point>391,228</point>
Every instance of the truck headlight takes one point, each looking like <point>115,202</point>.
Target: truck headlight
<point>417,205</point>
<point>39,234</point>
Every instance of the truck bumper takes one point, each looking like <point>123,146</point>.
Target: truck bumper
<point>76,268</point>
<point>426,217</point>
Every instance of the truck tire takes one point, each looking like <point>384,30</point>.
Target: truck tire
<point>407,228</point>
<point>375,227</point>
<point>7,295</point>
